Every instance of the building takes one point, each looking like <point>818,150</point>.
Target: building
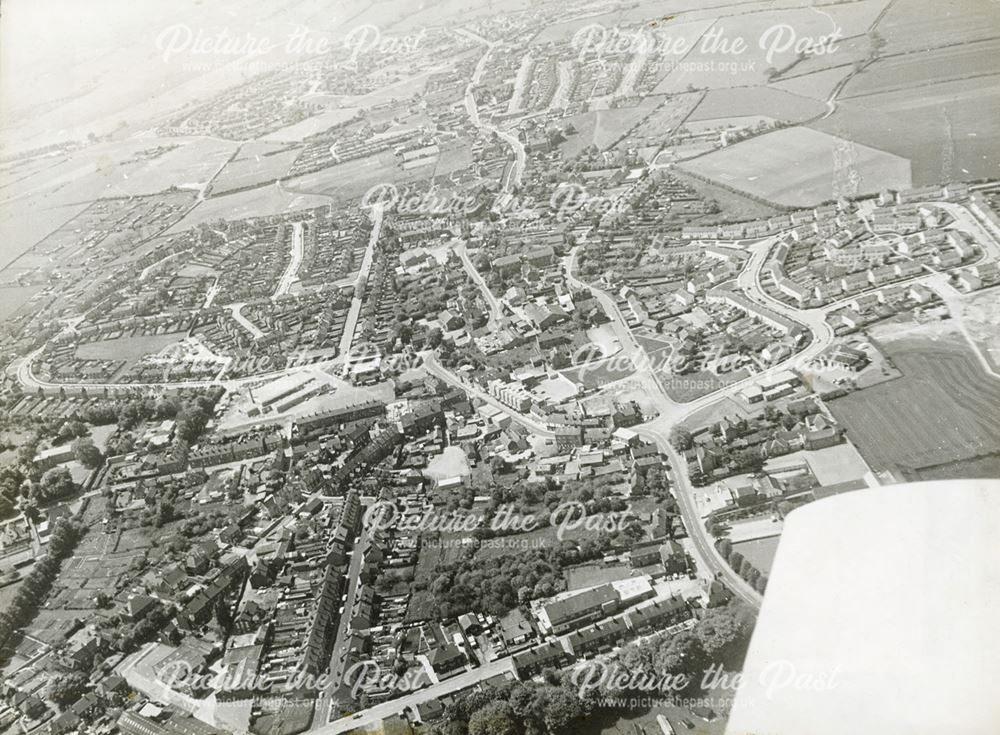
<point>549,655</point>
<point>658,615</point>
<point>572,612</point>
<point>597,638</point>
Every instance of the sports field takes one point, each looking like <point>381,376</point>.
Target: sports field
<point>796,167</point>
<point>944,409</point>
<point>130,349</point>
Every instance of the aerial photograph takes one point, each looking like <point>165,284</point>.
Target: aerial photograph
<point>499,367</point>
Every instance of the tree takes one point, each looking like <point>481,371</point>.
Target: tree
<point>68,689</point>
<point>87,454</point>
<point>681,439</point>
<point>719,632</point>
<point>496,718</point>
<point>561,709</point>
<point>56,483</point>
<point>735,559</point>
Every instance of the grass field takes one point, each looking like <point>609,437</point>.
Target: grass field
<point>691,386</point>
<point>759,551</point>
<point>601,127</point>
<point>127,348</point>
<point>946,129</point>
<point>597,374</point>
<point>732,205</point>
<point>918,70</point>
<point>945,409</point>
<point>796,167</point>
<point>743,101</point>
<point>256,162</point>
<point>918,24</point>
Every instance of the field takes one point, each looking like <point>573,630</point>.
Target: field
<point>796,167</point>
<point>658,126</point>
<point>733,206</point>
<point>981,315</point>
<point>261,202</point>
<point>744,101</point>
<point>602,128</point>
<point>760,552</point>
<point>256,163</point>
<point>944,409</point>
<point>918,70</point>
<point>596,374</point>
<point>12,299</point>
<point>919,24</point>
<point>946,129</point>
<point>130,349</point>
<point>691,386</point>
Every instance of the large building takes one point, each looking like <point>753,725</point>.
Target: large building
<point>880,617</point>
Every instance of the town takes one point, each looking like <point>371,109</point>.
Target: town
<point>470,359</point>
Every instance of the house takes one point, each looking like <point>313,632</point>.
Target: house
<point>568,437</point>
<point>968,282</point>
<point>658,615</point>
<point>541,257</point>
<point>854,281</point>
<point>515,630</point>
<point>429,711</point>
<point>597,638</point>
<point>572,612</point>
<point>821,438</point>
<point>507,264</point>
<point>450,321</point>
<point>549,655</point>
<point>446,660</point>
<point>644,554</point>
<point>844,357</point>
<point>673,557</point>
<point>850,318</point>
<point>920,294</point>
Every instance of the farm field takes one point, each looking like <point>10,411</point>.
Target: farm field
<point>817,84</point>
<point>946,129</point>
<point>256,163</point>
<point>981,315</point>
<point>13,298</point>
<point>795,167</point>
<point>919,70</point>
<point>987,468</point>
<point>920,24</point>
<point>944,409</point>
<point>706,66</point>
<point>743,101</point>
<point>261,202</point>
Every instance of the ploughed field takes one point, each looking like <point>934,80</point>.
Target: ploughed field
<point>944,409</point>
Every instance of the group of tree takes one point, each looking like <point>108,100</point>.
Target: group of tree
<point>742,566</point>
<point>35,587</point>
<point>497,583</point>
<point>515,708</point>
<point>720,638</point>
<point>87,454</point>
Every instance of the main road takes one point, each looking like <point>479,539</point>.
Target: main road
<point>513,178</point>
